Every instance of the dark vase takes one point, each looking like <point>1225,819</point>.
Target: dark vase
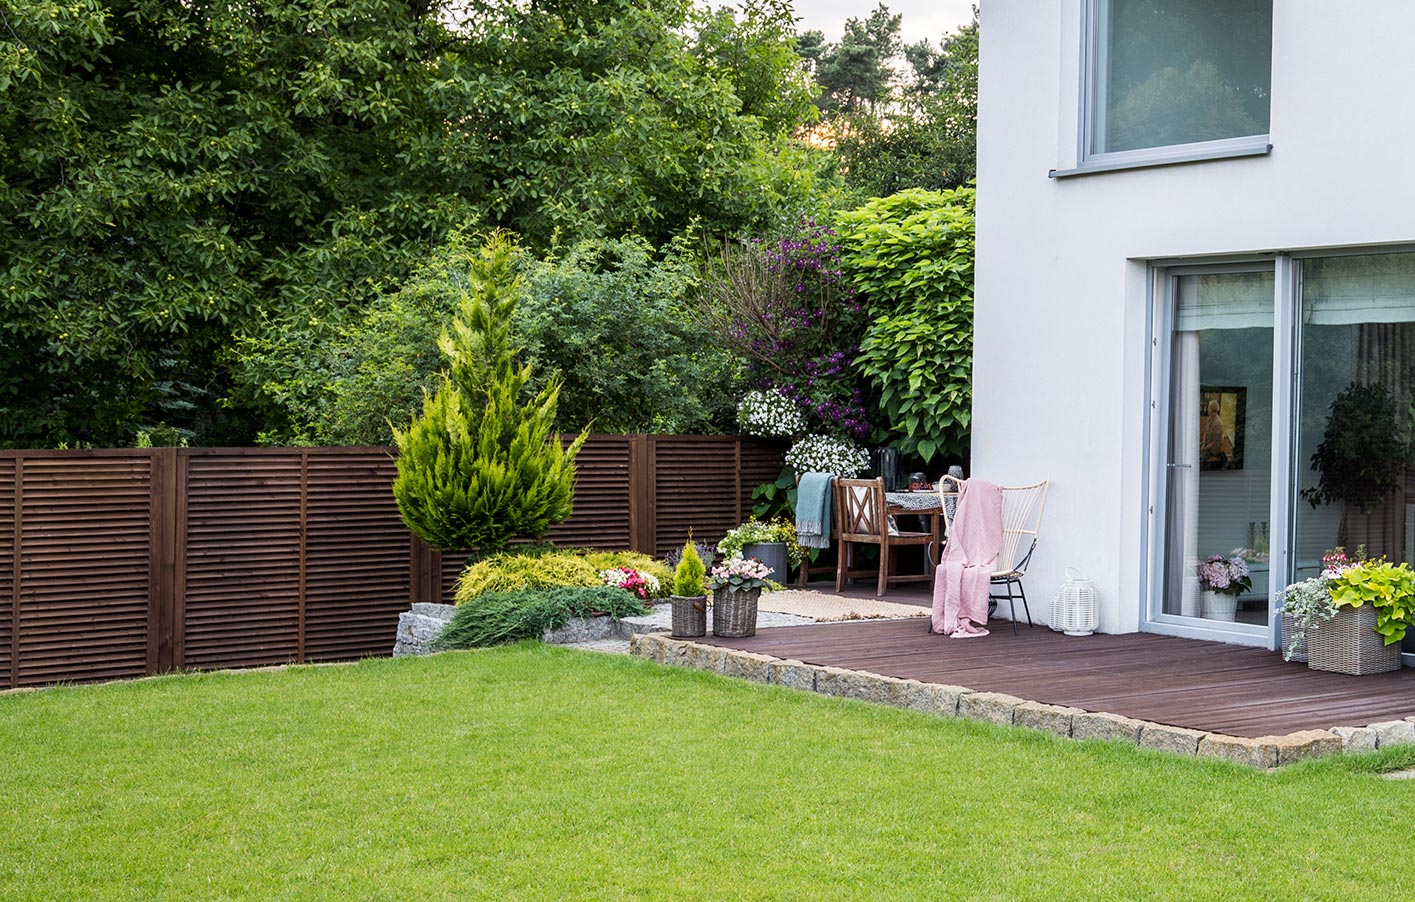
<point>773,554</point>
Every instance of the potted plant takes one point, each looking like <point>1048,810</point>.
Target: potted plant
<point>773,543</point>
<point>737,585</point>
<point>1354,615</point>
<point>1222,579</point>
<point>689,600</point>
<point>1362,454</point>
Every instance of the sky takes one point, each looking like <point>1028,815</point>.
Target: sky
<point>922,18</point>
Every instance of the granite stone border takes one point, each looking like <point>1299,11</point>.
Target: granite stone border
<point>1263,752</point>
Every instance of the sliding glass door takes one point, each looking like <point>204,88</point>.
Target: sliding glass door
<point>1218,473</point>
<point>1263,475</point>
<point>1355,404</point>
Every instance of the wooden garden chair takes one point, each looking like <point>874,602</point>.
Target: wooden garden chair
<point>862,518</point>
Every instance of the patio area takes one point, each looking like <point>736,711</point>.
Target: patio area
<point>1207,686</point>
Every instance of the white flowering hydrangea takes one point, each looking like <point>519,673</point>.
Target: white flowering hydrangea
<point>823,454</point>
<point>770,414</point>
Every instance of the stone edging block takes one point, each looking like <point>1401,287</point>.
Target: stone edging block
<point>1264,752</point>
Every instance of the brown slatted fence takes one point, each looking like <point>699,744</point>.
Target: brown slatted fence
<point>127,562</point>
<point>9,601</point>
<point>356,555</point>
<point>82,536</point>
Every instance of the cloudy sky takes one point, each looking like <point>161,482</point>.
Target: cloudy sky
<point>922,18</point>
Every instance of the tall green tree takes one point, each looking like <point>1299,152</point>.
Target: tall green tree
<point>483,464</point>
<point>193,194</point>
<point>922,132</point>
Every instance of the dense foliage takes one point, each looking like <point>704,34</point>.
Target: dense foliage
<point>483,464</point>
<point>910,256</point>
<point>895,123</point>
<point>610,320</point>
<point>613,322</point>
<point>548,568</point>
<point>500,617</point>
<point>178,176</point>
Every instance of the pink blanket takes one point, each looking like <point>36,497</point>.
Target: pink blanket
<point>961,582</point>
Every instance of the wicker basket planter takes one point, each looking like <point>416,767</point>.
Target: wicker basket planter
<point>1349,643</point>
<point>734,613</point>
<point>689,616</point>
<point>1288,627</point>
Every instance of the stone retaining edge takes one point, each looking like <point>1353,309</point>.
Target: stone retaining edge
<point>1263,752</point>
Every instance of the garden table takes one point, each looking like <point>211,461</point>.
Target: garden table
<point>926,505</point>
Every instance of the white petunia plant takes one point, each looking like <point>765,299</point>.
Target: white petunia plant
<point>770,414</point>
<point>824,454</point>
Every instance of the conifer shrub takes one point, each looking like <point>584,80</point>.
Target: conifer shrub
<point>688,577</point>
<point>513,571</point>
<point>500,617</point>
<point>483,465</point>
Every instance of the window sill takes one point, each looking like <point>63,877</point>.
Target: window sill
<point>1173,157</point>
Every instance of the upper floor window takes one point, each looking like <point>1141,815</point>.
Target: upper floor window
<point>1166,73</point>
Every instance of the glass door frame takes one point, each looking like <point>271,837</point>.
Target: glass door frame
<point>1163,289</point>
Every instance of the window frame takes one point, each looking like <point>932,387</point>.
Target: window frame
<point>1094,15</point>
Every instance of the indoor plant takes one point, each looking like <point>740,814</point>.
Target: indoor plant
<point>737,585</point>
<point>773,543</point>
<point>689,601</point>
<point>1362,453</point>
<point>1222,580</point>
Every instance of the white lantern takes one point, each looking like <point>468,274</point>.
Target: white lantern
<point>1075,610</point>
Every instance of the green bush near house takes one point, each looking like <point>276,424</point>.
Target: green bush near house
<point>910,257</point>
<point>513,571</point>
<point>501,617</point>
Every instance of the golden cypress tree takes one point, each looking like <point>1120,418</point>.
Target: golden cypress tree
<point>483,464</point>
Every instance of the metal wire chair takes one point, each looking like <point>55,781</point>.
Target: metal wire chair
<point>1022,508</point>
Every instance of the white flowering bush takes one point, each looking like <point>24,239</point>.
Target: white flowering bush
<point>770,414</point>
<point>824,454</point>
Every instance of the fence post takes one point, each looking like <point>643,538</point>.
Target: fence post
<point>163,622</point>
<point>643,493</point>
<point>16,574</point>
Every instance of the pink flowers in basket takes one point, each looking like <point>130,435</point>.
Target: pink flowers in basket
<point>644,585</point>
<point>740,574</point>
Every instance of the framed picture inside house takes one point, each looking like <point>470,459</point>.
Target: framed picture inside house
<point>1222,412</point>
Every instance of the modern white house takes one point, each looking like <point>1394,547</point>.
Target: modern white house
<point>1195,292</point>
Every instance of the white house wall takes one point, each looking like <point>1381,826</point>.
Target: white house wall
<point>1063,276</point>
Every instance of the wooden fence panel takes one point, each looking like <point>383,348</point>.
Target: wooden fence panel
<point>117,563</point>
<point>9,603</point>
<point>242,560</point>
<point>82,530</point>
<point>761,462</point>
<point>697,489</point>
<point>356,556</point>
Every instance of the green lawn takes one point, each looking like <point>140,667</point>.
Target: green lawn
<point>535,772</point>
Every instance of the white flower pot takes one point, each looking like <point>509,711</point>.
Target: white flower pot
<point>1220,605</point>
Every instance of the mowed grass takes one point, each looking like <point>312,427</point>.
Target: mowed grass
<point>534,772</point>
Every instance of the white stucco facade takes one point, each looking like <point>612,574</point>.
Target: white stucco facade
<point>1064,268</point>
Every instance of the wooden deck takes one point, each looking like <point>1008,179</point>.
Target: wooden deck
<point>1202,685</point>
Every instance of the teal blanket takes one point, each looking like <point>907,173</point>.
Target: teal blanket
<point>813,498</point>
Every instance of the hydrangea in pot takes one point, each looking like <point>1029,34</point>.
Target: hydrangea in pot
<point>737,585</point>
<point>1222,579</point>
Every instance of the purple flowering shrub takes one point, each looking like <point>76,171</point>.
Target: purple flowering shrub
<point>783,305</point>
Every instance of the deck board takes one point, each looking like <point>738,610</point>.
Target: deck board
<point>1185,682</point>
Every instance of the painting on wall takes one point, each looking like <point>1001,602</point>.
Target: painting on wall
<point>1221,414</point>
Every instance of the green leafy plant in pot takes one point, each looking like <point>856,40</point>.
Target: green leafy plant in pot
<point>1362,453</point>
